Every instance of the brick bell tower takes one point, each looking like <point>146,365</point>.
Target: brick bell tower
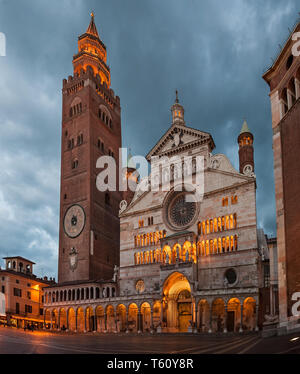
<point>246,151</point>
<point>89,237</point>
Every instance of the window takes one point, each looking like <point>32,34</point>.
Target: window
<point>225,201</point>
<point>17,281</point>
<point>41,311</point>
<point>3,289</point>
<point>267,275</point>
<point>17,308</point>
<point>100,145</point>
<point>71,143</point>
<point>75,164</point>
<point>230,276</point>
<point>234,200</point>
<point>75,109</point>
<point>28,308</point>
<point>17,292</point>
<point>28,285</point>
<point>29,295</point>
<point>80,139</point>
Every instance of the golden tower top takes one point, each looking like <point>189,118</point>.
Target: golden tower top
<point>92,52</point>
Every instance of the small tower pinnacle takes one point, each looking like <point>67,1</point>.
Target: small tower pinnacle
<point>246,151</point>
<point>177,112</point>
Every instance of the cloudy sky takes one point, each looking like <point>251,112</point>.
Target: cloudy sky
<point>214,52</point>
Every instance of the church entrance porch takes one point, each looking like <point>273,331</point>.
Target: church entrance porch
<point>177,304</point>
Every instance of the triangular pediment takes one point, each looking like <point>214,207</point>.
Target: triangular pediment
<point>179,138</point>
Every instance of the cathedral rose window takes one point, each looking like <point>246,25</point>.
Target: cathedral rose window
<point>179,212</point>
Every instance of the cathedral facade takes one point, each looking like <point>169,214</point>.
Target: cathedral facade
<point>167,262</point>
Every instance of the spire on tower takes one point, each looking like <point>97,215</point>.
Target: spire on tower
<point>92,53</point>
<point>245,127</point>
<point>92,29</point>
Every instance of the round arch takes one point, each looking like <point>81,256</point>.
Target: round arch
<point>110,322</point>
<point>72,319</point>
<point>121,318</point>
<point>146,317</point>
<point>203,315</point>
<point>218,315</point>
<point>249,314</point>
<point>133,317</point>
<point>233,322</point>
<point>80,319</point>
<point>99,313</point>
<point>176,303</point>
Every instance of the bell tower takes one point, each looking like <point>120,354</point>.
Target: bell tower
<point>246,151</point>
<point>89,236</point>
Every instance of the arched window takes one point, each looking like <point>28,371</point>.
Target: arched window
<point>100,145</point>
<point>76,107</point>
<point>104,115</point>
<point>75,164</point>
<point>79,139</point>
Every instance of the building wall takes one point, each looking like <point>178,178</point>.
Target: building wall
<point>31,294</point>
<point>283,79</point>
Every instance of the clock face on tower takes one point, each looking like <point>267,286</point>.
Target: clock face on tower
<point>74,221</point>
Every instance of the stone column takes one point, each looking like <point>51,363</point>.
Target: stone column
<point>95,321</point>
<point>210,319</point>
<point>159,328</point>
<point>139,322</point>
<point>67,317</point>
<point>272,311</point>
<point>84,320</point>
<point>196,316</point>
<point>51,321</point>
<point>256,317</point>
<point>241,326</point>
<point>225,318</point>
<point>151,321</point>
<point>126,316</point>
<point>105,322</point>
<point>58,321</point>
<point>76,316</point>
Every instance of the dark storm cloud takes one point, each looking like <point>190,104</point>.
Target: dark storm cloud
<point>213,52</point>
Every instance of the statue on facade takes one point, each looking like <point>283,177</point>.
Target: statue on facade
<point>116,273</point>
<point>104,293</point>
<point>187,256</point>
<point>167,259</point>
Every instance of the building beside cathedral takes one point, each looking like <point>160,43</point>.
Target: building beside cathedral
<point>283,78</point>
<point>167,262</point>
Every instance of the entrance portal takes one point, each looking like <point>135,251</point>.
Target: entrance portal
<point>177,304</point>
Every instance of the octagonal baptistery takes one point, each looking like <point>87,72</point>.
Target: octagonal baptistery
<point>187,248</point>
